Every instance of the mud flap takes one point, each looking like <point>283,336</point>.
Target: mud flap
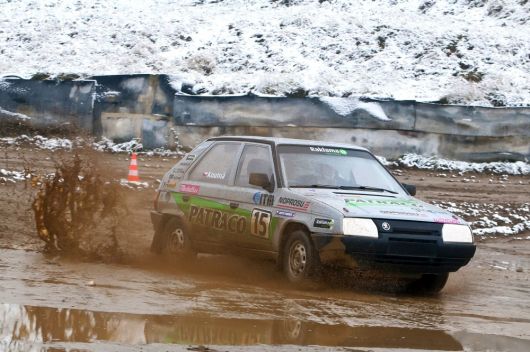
<point>158,242</point>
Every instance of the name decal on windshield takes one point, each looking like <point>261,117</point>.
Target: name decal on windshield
<point>328,150</point>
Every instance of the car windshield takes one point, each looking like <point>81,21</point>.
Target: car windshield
<point>332,167</point>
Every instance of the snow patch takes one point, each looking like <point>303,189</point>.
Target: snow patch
<point>486,219</point>
<point>15,115</point>
<point>385,161</point>
<point>12,176</point>
<point>39,141</point>
<point>346,106</point>
<point>106,145</point>
<point>435,163</point>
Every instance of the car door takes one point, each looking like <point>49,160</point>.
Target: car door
<point>204,193</point>
<point>253,203</point>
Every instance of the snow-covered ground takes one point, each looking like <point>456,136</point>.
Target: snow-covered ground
<point>492,219</point>
<point>464,51</point>
<point>104,145</point>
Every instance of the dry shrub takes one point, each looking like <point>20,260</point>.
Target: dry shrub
<point>76,212</point>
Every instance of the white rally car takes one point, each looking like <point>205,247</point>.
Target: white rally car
<point>305,204</point>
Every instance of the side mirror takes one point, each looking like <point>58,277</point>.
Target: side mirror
<point>410,188</point>
<point>261,180</point>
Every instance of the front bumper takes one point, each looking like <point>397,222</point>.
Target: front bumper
<point>397,253</point>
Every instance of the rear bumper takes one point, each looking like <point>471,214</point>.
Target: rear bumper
<point>404,254</point>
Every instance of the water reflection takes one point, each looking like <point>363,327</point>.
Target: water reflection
<point>38,325</point>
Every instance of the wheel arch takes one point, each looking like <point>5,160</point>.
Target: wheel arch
<point>284,235</point>
<point>168,216</point>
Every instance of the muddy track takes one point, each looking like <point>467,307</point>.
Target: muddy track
<point>49,302</point>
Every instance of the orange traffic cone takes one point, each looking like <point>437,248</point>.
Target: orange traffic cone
<point>133,169</point>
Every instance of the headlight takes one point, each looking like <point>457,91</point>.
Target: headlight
<point>359,227</point>
<point>457,233</point>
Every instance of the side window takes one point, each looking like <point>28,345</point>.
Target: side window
<point>215,166</point>
<point>255,159</point>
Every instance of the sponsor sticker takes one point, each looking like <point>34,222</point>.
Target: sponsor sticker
<point>393,212</point>
<point>263,199</point>
<point>214,175</point>
<point>376,202</point>
<point>187,188</point>
<point>323,223</point>
<point>190,157</point>
<point>447,221</point>
<point>217,219</point>
<point>329,150</point>
<point>291,203</point>
<point>284,213</point>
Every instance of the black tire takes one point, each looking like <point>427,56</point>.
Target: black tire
<point>428,284</point>
<point>300,259</point>
<point>177,241</point>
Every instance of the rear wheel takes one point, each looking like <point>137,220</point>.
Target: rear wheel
<point>300,259</point>
<point>177,242</point>
<point>428,283</point>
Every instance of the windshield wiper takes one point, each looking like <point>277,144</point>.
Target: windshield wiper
<point>366,188</point>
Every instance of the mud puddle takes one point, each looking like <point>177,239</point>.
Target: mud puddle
<point>41,327</point>
<point>228,303</point>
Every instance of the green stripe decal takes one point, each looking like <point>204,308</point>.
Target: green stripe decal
<point>212,204</point>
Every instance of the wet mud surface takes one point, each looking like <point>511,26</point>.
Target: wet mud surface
<point>53,303</point>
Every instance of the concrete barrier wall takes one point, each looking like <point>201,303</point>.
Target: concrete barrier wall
<point>134,106</point>
<point>251,110</point>
<point>472,121</point>
<point>122,107</point>
<point>326,112</point>
<point>49,102</point>
<point>388,143</point>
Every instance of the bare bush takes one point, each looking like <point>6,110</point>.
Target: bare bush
<point>76,212</point>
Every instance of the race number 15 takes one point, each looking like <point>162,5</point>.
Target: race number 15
<point>260,223</point>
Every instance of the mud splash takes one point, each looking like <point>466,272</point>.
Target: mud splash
<point>77,212</point>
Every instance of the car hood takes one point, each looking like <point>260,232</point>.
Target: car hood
<point>378,205</point>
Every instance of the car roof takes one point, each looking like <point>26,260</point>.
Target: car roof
<point>290,141</point>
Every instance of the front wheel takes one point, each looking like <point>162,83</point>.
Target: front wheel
<point>300,259</point>
<point>428,283</point>
<point>177,240</point>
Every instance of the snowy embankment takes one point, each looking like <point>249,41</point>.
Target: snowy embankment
<point>438,164</point>
<point>487,220</point>
<point>457,51</point>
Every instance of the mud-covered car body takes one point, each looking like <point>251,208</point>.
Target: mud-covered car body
<point>220,192</point>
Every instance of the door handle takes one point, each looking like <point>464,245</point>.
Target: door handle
<point>185,198</point>
<point>234,205</point>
